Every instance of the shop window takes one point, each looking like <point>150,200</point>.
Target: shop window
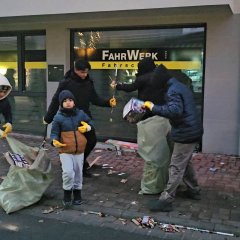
<point>23,62</point>
<point>180,49</point>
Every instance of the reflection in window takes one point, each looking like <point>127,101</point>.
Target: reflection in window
<point>8,59</point>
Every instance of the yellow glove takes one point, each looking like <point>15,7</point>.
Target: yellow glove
<point>148,105</point>
<point>1,133</point>
<point>8,129</point>
<point>113,102</point>
<point>57,144</point>
<point>84,128</point>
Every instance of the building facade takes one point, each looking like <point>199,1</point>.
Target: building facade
<point>39,42</point>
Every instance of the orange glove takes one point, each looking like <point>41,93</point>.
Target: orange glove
<point>149,105</point>
<point>113,102</point>
<point>57,144</point>
<point>84,128</point>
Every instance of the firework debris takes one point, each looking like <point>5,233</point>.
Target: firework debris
<point>100,214</point>
<point>146,221</point>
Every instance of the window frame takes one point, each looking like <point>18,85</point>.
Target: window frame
<point>21,59</point>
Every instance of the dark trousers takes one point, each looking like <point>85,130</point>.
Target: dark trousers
<point>91,143</point>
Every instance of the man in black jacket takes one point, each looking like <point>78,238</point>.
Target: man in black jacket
<point>77,81</point>
<point>144,85</point>
<point>145,70</point>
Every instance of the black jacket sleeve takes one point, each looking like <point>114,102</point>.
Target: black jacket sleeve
<point>98,101</point>
<point>54,105</point>
<point>140,83</point>
<point>127,87</point>
<point>5,109</point>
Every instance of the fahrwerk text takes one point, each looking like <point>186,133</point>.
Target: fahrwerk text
<point>129,55</point>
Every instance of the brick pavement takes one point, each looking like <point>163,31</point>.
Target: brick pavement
<point>218,175</point>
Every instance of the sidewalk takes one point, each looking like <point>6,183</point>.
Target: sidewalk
<point>218,175</point>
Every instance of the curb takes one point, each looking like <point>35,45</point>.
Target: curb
<point>195,226</point>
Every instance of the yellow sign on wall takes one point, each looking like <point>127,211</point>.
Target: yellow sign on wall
<point>192,65</point>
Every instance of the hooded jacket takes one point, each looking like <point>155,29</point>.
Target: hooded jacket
<point>5,107</point>
<point>84,93</point>
<point>180,108</point>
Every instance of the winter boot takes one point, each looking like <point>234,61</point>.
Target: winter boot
<point>155,205</point>
<point>77,198</point>
<point>67,199</point>
<point>195,195</point>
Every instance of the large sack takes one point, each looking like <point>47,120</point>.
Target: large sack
<point>23,187</point>
<point>154,149</point>
<point>29,153</point>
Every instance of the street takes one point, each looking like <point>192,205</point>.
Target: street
<point>19,226</point>
<point>114,192</point>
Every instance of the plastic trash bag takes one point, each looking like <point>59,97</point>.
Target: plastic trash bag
<point>154,149</point>
<point>23,187</point>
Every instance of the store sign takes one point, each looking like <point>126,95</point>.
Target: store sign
<point>133,65</point>
<point>128,55</point>
<point>128,58</point>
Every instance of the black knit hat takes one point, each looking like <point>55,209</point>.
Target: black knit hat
<point>64,95</point>
<point>160,77</point>
<point>146,65</point>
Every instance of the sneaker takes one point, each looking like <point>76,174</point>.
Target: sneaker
<point>192,195</point>
<point>159,206</point>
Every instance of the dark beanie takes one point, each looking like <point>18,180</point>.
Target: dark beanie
<point>64,95</point>
<point>160,77</point>
<point>146,65</point>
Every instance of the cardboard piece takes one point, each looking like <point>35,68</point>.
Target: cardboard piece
<point>16,159</point>
<point>133,111</point>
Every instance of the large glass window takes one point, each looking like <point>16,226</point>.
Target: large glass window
<point>23,62</point>
<point>9,59</point>
<point>180,49</point>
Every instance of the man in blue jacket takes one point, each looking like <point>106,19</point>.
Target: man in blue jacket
<point>186,132</point>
